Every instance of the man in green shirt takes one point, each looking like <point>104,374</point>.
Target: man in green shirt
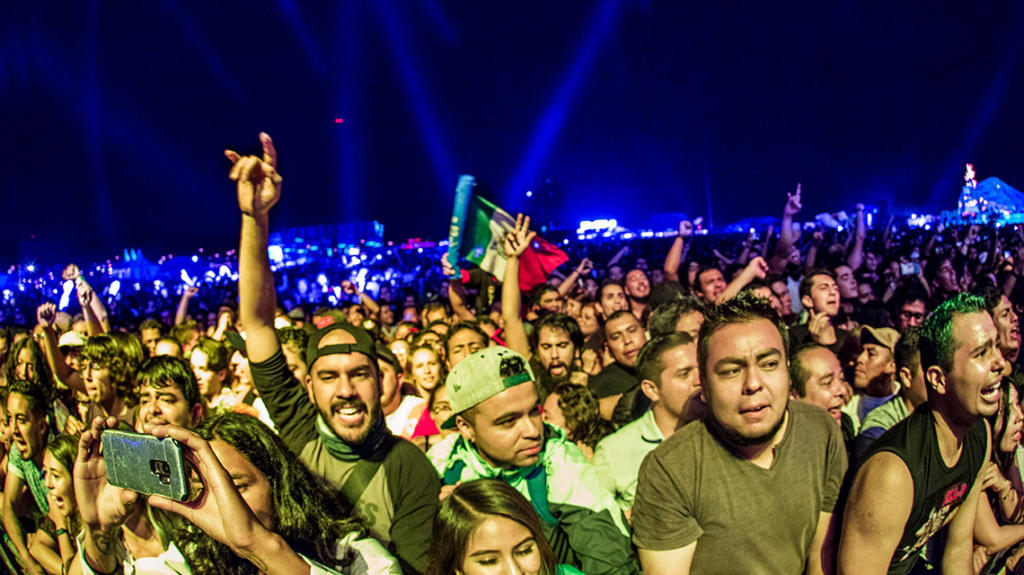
<point>667,367</point>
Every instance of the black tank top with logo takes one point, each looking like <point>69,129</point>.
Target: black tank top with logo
<point>938,490</point>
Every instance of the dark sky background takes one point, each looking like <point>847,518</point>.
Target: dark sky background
<point>116,113</point>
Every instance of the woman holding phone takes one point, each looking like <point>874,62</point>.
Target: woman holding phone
<point>256,508</point>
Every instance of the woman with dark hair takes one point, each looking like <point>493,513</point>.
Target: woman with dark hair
<point>486,526</point>
<point>997,525</point>
<point>53,545</point>
<point>260,509</point>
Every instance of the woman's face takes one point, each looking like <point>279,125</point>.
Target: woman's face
<point>253,486</point>
<point>426,369</point>
<point>400,348</point>
<point>58,481</point>
<point>1010,438</point>
<point>588,320</point>
<point>501,546</point>
<point>24,365</point>
<point>441,407</point>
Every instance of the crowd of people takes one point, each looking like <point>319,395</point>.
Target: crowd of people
<point>810,401</point>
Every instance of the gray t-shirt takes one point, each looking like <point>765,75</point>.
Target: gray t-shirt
<point>747,519</point>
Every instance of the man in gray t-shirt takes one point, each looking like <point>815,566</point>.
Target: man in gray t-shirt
<point>751,487</point>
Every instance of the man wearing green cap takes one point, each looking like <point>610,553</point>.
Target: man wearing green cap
<point>336,425</point>
<point>497,412</point>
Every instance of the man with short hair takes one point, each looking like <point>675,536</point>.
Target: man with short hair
<point>25,492</point>
<point>463,339</point>
<point>611,297</point>
<point>638,292</point>
<point>909,308</point>
<point>1007,323</point>
<point>336,426</point>
<point>678,315</point>
<point>913,393</point>
<point>710,284</point>
<point>497,413</point>
<point>817,378</point>
<point>547,299</point>
<point>819,295</point>
<point>874,374</point>
<point>718,496</point>
<point>150,331</point>
<point>624,336</point>
<point>667,368</point>
<point>925,473</point>
<point>168,394</point>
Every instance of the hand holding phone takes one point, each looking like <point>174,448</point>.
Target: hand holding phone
<point>145,464</point>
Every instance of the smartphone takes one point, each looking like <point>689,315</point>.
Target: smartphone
<point>910,269</point>
<point>145,463</point>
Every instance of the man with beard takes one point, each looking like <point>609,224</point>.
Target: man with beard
<point>638,292</point>
<point>718,496</point>
<point>925,474</point>
<point>669,379</point>
<point>24,487</point>
<point>554,342</point>
<point>501,435</point>
<point>336,427</point>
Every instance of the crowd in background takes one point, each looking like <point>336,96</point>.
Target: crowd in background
<point>375,411</point>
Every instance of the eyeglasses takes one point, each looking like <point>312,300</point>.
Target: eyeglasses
<point>911,315</point>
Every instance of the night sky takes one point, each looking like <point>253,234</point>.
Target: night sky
<point>116,113</point>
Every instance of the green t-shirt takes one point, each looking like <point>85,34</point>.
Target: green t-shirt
<point>747,519</point>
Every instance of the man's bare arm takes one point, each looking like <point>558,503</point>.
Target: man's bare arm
<point>516,243</point>
<point>815,561</point>
<point>672,562</point>
<point>259,188</point>
<point>877,510</point>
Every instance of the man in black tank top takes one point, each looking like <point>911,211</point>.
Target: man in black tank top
<point>924,472</point>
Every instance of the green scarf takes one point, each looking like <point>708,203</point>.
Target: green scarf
<point>337,446</point>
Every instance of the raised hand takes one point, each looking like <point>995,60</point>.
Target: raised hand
<point>793,205</point>
<point>821,329</point>
<point>446,267</point>
<point>85,294</point>
<point>348,287</point>
<point>686,228</point>
<point>517,240</point>
<point>46,314</point>
<point>190,291</point>
<point>756,269</point>
<point>259,184</point>
<point>586,266</point>
<point>71,272</point>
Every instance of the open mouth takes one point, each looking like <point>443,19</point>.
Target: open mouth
<point>556,369</point>
<point>755,411</point>
<point>836,412</point>
<point>990,393</point>
<point>350,414</point>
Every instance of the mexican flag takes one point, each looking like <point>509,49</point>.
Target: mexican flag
<point>477,232</point>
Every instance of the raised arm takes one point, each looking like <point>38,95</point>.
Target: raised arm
<point>756,269</point>
<point>677,253</point>
<point>46,314</point>
<point>258,188</point>
<point>516,243</point>
<point>787,238</point>
<point>181,313</point>
<point>856,255</point>
<point>565,288</point>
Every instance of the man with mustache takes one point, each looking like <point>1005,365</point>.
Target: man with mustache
<point>718,496</point>
<point>924,474</point>
<point>335,425</point>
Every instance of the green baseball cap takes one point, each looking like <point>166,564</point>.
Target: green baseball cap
<point>483,375</point>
